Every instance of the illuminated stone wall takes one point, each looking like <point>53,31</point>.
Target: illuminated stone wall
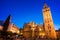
<point>58,33</point>
<point>13,28</point>
<point>40,31</point>
<point>33,30</point>
<point>27,31</point>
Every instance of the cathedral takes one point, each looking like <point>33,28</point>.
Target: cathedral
<point>46,30</point>
<point>33,30</point>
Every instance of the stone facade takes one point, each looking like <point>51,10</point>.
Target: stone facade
<point>33,30</point>
<point>58,33</point>
<point>13,28</point>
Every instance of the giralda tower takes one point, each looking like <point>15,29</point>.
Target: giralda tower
<point>48,22</point>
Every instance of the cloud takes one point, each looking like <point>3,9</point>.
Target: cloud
<point>57,26</point>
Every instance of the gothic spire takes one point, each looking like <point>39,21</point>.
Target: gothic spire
<point>6,23</point>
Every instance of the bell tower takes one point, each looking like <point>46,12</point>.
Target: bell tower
<point>48,22</point>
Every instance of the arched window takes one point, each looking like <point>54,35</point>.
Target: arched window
<point>49,27</point>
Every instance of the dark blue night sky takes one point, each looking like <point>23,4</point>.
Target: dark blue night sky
<point>24,11</point>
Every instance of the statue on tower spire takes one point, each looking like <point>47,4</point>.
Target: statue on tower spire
<point>45,5</point>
